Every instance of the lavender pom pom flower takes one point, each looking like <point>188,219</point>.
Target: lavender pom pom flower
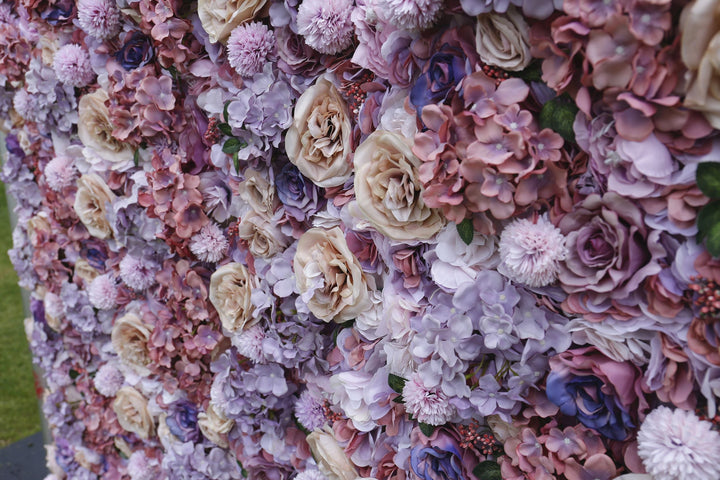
<point>108,380</point>
<point>326,24</point>
<point>410,14</point>
<point>60,172</point>
<point>248,48</point>
<point>72,66</point>
<point>102,292</point>
<point>210,244</point>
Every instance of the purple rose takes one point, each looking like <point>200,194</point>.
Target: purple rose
<point>439,457</point>
<point>611,250</point>
<point>440,76</point>
<point>136,52</point>
<point>182,422</point>
<point>300,196</point>
<point>61,12</point>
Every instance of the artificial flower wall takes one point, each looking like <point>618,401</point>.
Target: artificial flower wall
<point>387,239</point>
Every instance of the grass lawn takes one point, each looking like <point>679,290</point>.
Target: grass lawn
<point>19,415</point>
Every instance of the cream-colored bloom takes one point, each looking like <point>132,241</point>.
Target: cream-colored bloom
<point>85,271</point>
<point>700,51</point>
<point>91,204</point>
<point>388,191</point>
<point>329,277</point>
<point>132,414</point>
<point>38,227</point>
<point>318,141</point>
<point>220,17</point>
<point>230,291</point>
<point>264,238</point>
<point>330,456</point>
<point>215,426</point>
<point>95,128</point>
<point>129,339</point>
<point>258,193</point>
<point>502,40</point>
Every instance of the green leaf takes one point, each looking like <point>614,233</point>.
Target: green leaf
<point>465,230</point>
<point>532,73</point>
<point>713,241</point>
<point>236,162</point>
<point>427,429</point>
<point>399,399</point>
<point>74,374</point>
<point>225,111</point>
<point>708,178</point>
<point>707,219</point>
<point>136,157</point>
<point>559,115</point>
<point>233,145</point>
<point>225,129</point>
<point>396,382</point>
<point>487,470</point>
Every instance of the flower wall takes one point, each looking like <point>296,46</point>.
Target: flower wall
<point>388,239</point>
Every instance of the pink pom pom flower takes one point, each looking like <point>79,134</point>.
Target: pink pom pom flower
<point>103,293</point>
<point>210,244</point>
<point>428,404</point>
<point>60,172</point>
<point>410,14</point>
<point>72,66</point>
<point>326,24</point>
<point>248,48</point>
<point>99,18</point>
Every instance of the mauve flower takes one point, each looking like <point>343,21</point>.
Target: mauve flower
<point>210,244</point>
<point>438,456</point>
<point>531,252</point>
<point>98,18</point>
<point>441,74</point>
<point>326,24</point>
<point>610,249</point>
<point>299,196</point>
<point>677,445</point>
<point>309,411</point>
<point>603,394</point>
<point>138,273</point>
<point>102,292</point>
<point>108,380</point>
<point>60,172</point>
<point>248,48</point>
<point>136,52</point>
<point>72,66</point>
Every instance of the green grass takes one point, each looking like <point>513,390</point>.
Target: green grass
<point>19,414</point>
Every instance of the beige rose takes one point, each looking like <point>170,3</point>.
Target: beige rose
<point>502,40</point>
<point>91,201</point>
<point>258,193</point>
<point>95,128</point>
<point>220,17</point>
<point>85,271</point>
<point>230,289</point>
<point>132,414</point>
<point>264,238</point>
<point>129,339</point>
<point>38,227</point>
<point>330,456</point>
<point>388,191</point>
<point>215,426</point>
<point>700,51</point>
<point>329,277</point>
<point>318,141</point>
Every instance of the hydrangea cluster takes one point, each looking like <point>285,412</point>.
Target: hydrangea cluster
<point>369,239</point>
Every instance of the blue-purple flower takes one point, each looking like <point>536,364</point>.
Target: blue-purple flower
<point>136,52</point>
<point>182,421</point>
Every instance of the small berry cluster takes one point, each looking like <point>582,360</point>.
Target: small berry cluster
<point>212,133</point>
<point>708,298</point>
<point>331,416</point>
<point>354,92</point>
<point>482,440</point>
<point>494,72</point>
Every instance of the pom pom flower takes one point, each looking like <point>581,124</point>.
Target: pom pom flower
<point>210,244</point>
<point>326,24</point>
<point>72,66</point>
<point>410,14</point>
<point>248,48</point>
<point>98,18</point>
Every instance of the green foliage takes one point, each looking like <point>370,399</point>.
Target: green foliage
<point>559,115</point>
<point>465,230</point>
<point>487,470</point>
<point>427,429</point>
<point>708,178</point>
<point>708,219</point>
<point>396,382</point>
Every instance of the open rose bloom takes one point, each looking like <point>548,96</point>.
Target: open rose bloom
<point>369,239</point>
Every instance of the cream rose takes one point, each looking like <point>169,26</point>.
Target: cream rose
<point>330,456</point>
<point>264,238</point>
<point>220,17</point>
<point>700,51</point>
<point>129,339</point>
<point>502,40</point>
<point>85,271</point>
<point>318,141</point>
<point>329,277</point>
<point>388,191</point>
<point>230,290</point>
<point>95,128</point>
<point>258,193</point>
<point>91,201</point>
<point>215,426</point>
<point>132,414</point>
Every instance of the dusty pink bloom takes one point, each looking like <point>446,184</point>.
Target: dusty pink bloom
<point>410,14</point>
<point>531,252</point>
<point>108,380</point>
<point>249,342</point>
<point>677,445</point>
<point>60,172</point>
<point>99,18</point>
<point>248,48</point>
<point>210,244</point>
<point>72,66</point>
<point>326,24</point>
<point>428,404</point>
<point>136,273</point>
<point>102,292</point>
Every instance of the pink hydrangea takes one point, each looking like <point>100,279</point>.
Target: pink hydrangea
<point>248,48</point>
<point>326,24</point>
<point>72,66</point>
